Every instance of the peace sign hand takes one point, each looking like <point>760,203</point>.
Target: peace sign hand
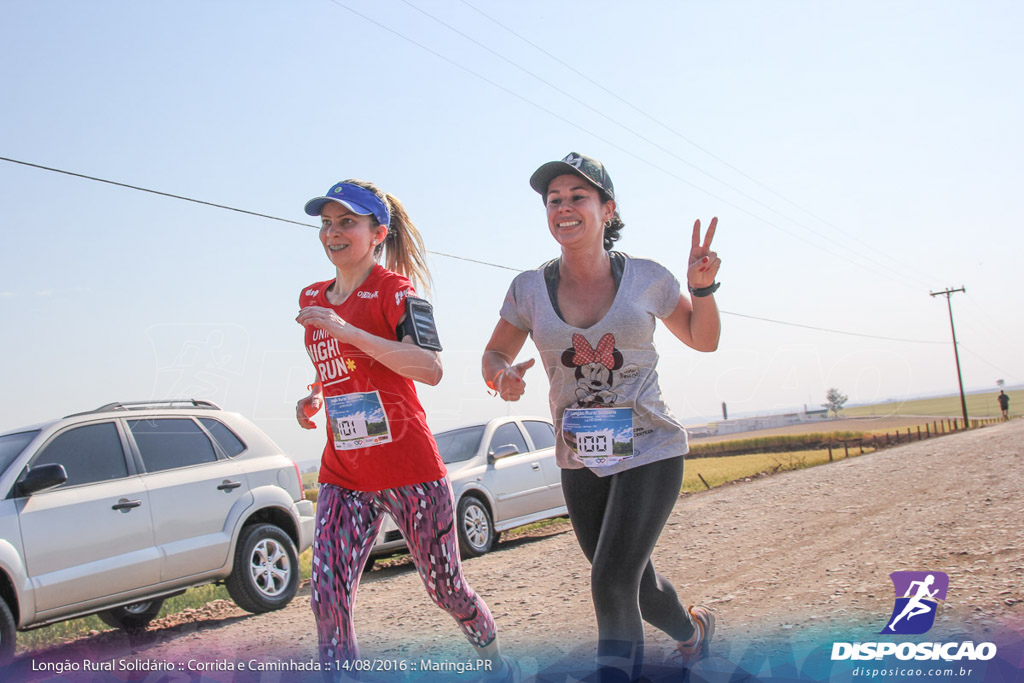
<point>704,263</point>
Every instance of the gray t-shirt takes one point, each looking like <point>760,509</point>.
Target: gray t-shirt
<point>605,400</point>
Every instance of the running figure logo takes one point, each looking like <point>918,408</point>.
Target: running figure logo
<point>914,612</point>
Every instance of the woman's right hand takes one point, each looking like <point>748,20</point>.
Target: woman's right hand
<point>510,384</point>
<point>307,408</point>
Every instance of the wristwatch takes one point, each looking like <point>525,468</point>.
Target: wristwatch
<point>705,291</point>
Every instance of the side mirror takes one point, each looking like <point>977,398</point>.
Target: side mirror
<point>40,478</point>
<point>502,452</point>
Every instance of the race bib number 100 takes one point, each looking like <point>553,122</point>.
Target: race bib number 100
<point>599,436</point>
<point>357,420</point>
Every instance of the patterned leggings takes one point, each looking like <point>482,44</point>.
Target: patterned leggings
<point>347,524</point>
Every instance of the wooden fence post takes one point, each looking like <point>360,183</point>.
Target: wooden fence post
<point>830,452</point>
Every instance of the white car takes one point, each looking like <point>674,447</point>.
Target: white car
<point>503,475</point>
<point>112,510</point>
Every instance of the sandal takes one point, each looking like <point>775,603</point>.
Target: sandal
<point>704,627</point>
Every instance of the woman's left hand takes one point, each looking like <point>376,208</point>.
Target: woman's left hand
<point>326,320</point>
<point>704,263</point>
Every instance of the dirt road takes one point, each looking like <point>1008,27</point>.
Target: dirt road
<point>799,553</point>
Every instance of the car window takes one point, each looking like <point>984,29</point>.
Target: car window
<point>231,444</point>
<point>11,446</point>
<point>508,433</point>
<point>89,453</point>
<point>165,444</point>
<point>459,445</point>
<point>542,433</point>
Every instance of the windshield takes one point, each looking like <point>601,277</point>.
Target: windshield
<point>11,445</point>
<point>459,444</point>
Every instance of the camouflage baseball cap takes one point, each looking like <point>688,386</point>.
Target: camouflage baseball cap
<point>589,169</point>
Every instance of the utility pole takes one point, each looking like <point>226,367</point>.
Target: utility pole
<point>948,293</point>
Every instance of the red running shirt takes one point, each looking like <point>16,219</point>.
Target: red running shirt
<point>377,434</point>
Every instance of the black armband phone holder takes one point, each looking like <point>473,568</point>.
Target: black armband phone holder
<point>419,324</point>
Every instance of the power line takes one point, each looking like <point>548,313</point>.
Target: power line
<point>643,113</point>
<point>1009,375</point>
<point>825,329</point>
<point>600,113</point>
<point>473,260</point>
<point>435,253</point>
<point>624,150</point>
<point>146,189</point>
<point>219,206</point>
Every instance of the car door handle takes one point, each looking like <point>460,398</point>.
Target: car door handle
<point>535,466</point>
<point>124,505</point>
<point>229,485</point>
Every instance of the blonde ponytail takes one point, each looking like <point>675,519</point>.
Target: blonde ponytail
<point>403,246</point>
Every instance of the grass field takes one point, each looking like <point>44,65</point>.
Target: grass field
<point>880,419</point>
<point>889,417</point>
<point>978,406</point>
<point>718,471</point>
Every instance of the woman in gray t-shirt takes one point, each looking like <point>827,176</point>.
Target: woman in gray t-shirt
<point>591,312</point>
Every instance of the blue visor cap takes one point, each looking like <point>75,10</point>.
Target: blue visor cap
<point>357,199</point>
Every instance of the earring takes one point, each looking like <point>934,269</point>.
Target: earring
<point>608,224</point>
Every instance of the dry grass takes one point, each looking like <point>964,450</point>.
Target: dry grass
<point>722,470</point>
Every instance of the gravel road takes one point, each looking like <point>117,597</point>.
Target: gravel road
<point>802,553</point>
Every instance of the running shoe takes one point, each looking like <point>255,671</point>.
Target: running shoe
<point>510,673</point>
<point>704,624</point>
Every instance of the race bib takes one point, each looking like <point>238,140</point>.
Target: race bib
<point>357,421</point>
<point>599,436</point>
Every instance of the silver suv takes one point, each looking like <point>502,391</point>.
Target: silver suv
<point>112,510</point>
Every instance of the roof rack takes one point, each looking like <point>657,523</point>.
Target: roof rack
<point>157,403</point>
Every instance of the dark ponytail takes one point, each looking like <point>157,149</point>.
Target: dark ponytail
<point>612,226</point>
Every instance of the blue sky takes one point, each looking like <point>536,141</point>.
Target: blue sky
<point>858,156</point>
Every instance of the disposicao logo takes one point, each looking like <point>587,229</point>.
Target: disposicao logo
<point>917,598</point>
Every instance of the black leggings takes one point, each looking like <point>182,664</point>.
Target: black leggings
<point>617,520</point>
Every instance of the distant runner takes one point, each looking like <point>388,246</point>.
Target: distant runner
<point>1004,404</point>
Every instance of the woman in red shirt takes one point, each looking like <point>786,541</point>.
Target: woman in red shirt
<point>380,455</point>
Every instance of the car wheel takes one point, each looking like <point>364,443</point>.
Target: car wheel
<point>132,617</point>
<point>476,532</point>
<point>265,574</point>
<point>8,631</point>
